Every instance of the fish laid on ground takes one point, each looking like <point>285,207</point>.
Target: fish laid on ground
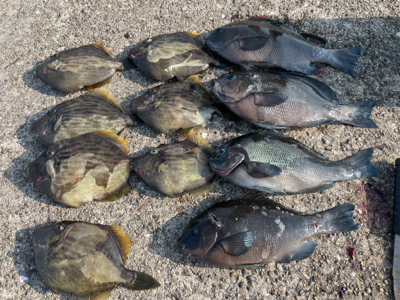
<point>172,169</point>
<point>251,231</point>
<point>172,106</point>
<point>92,166</point>
<point>88,113</point>
<point>259,42</point>
<point>85,259</point>
<point>71,70</point>
<point>282,100</point>
<point>277,164</point>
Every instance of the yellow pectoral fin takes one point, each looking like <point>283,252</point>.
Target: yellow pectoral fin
<point>122,239</point>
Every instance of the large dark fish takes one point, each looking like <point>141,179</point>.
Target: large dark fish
<point>71,70</point>
<point>92,166</point>
<point>172,106</point>
<point>259,42</point>
<point>87,113</point>
<point>86,259</point>
<point>251,231</point>
<point>277,164</point>
<point>282,100</point>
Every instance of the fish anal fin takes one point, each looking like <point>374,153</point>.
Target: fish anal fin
<point>91,88</point>
<point>122,191</point>
<point>318,188</point>
<point>122,238</point>
<point>102,47</point>
<point>253,43</point>
<point>269,99</point>
<point>104,92</point>
<point>260,170</point>
<point>97,296</point>
<point>203,189</point>
<point>302,252</point>
<point>238,244</point>
<point>111,135</point>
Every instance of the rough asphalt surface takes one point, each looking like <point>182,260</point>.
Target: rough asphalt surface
<point>31,31</point>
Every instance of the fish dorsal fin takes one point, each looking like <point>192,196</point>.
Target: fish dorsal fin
<point>196,79</point>
<point>112,136</point>
<point>193,33</point>
<point>98,296</point>
<point>193,135</point>
<point>122,239</point>
<point>104,92</point>
<point>102,47</point>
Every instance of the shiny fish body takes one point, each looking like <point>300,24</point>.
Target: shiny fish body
<point>278,164</point>
<point>259,42</point>
<point>71,70</point>
<point>92,166</point>
<point>83,258</point>
<point>251,231</point>
<point>170,55</point>
<point>281,100</point>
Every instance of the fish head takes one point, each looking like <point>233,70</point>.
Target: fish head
<point>149,165</point>
<point>51,71</point>
<point>227,159</point>
<point>141,50</point>
<point>222,37</point>
<point>147,100</point>
<point>232,87</point>
<point>47,126</point>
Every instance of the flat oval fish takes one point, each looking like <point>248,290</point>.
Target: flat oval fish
<point>277,164</point>
<point>172,169</point>
<point>282,100</point>
<point>87,260</point>
<point>259,42</point>
<point>76,171</point>
<point>251,231</point>
<point>170,55</point>
<point>87,113</point>
<point>71,70</point>
<point>172,106</point>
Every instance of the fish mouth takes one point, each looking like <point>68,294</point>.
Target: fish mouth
<point>40,179</point>
<point>141,171</point>
<point>40,133</point>
<point>148,102</point>
<point>227,166</point>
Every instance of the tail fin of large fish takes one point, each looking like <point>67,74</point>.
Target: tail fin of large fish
<point>345,60</point>
<point>357,114</point>
<point>360,163</point>
<point>142,281</point>
<point>335,220</point>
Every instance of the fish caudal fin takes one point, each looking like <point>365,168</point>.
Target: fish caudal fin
<point>142,281</point>
<point>345,60</point>
<point>335,220</point>
<point>357,114</point>
<point>361,164</point>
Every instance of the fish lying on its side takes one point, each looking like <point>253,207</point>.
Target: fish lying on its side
<point>87,113</point>
<point>86,259</point>
<point>251,231</point>
<point>71,70</point>
<point>92,166</point>
<point>259,42</point>
<point>282,100</point>
<point>277,164</point>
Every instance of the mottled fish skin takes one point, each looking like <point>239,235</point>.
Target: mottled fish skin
<point>251,231</point>
<point>71,118</point>
<point>171,55</point>
<point>275,100</point>
<point>81,169</point>
<point>259,42</point>
<point>278,164</point>
<point>71,70</point>
<point>83,258</point>
<point>172,106</point>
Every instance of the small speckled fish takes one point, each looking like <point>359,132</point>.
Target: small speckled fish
<point>259,42</point>
<point>92,166</point>
<point>87,260</point>
<point>251,231</point>
<point>277,164</point>
<point>172,169</point>
<point>283,100</point>
<point>169,55</point>
<point>172,106</point>
<point>87,113</point>
<point>71,70</point>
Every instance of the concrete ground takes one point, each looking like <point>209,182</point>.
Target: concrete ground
<point>33,30</point>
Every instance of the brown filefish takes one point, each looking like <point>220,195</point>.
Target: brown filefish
<point>251,231</point>
<point>92,166</point>
<point>71,70</point>
<point>87,260</point>
<point>88,113</point>
<point>282,100</point>
<point>259,42</point>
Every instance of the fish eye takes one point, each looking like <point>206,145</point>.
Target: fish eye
<point>218,30</point>
<point>52,111</point>
<point>148,40</point>
<point>59,227</point>
<point>230,77</point>
<point>50,153</point>
<point>221,152</point>
<point>154,151</point>
<point>193,232</point>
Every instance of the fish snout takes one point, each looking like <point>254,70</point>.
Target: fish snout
<point>218,168</point>
<point>26,172</point>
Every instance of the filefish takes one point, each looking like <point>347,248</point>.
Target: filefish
<point>277,164</point>
<point>259,42</point>
<point>92,166</point>
<point>282,100</point>
<point>87,260</point>
<point>251,231</point>
<point>88,113</point>
<point>71,70</point>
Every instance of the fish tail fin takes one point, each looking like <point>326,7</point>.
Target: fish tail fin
<point>142,281</point>
<point>193,135</point>
<point>360,163</point>
<point>337,219</point>
<point>345,60</point>
<point>357,114</point>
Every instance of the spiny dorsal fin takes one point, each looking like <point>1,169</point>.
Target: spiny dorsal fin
<point>111,135</point>
<point>104,92</point>
<point>193,135</point>
<point>98,296</point>
<point>196,79</point>
<point>102,47</point>
<point>122,239</point>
